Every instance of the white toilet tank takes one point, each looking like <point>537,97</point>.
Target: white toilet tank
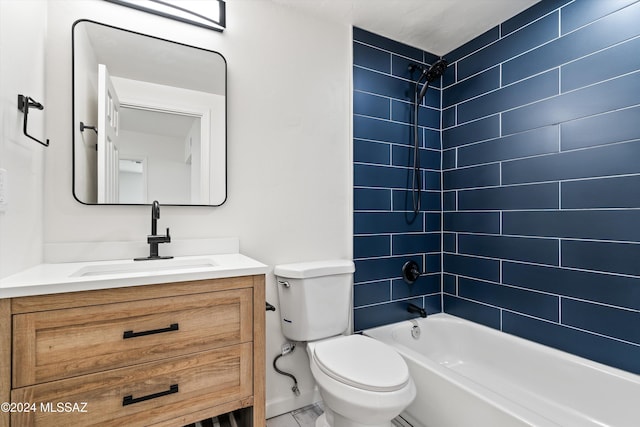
<point>315,298</point>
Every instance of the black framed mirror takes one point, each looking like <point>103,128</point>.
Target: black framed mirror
<point>149,119</point>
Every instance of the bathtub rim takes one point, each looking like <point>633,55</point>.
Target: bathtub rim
<point>514,408</point>
<point>480,392</point>
<point>387,332</point>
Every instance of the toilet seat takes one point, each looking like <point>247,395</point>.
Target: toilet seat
<point>362,362</point>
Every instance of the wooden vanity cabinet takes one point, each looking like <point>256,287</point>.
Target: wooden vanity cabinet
<point>163,355</point>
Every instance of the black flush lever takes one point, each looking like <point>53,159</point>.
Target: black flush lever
<point>24,103</point>
<point>270,307</point>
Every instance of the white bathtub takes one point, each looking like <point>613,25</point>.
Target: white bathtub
<point>467,374</point>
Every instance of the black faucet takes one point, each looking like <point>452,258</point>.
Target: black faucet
<point>154,239</point>
<point>412,308</point>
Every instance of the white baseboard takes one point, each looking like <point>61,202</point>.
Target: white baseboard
<point>282,406</point>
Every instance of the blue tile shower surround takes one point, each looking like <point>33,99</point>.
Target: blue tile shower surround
<point>541,179</point>
<point>386,232</point>
<point>539,138</point>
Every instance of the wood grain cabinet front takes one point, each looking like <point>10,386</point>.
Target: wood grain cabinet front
<point>51,345</point>
<point>143,394</point>
<point>155,355</point>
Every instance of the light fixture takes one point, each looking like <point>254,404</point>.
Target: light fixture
<point>210,14</point>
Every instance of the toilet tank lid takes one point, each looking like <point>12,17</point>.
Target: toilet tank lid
<point>305,270</point>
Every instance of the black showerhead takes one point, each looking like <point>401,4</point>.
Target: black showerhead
<point>436,70</point>
<point>433,73</point>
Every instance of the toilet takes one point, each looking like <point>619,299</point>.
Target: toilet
<point>363,382</point>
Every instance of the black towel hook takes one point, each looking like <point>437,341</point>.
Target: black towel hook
<point>83,127</point>
<point>24,103</point>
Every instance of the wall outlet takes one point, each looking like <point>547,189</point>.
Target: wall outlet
<point>4,190</point>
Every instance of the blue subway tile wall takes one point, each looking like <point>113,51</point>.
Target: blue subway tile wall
<point>541,179</point>
<point>386,232</point>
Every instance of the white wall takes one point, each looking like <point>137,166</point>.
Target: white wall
<point>168,176</point>
<point>86,84</point>
<point>289,156</point>
<point>22,40</point>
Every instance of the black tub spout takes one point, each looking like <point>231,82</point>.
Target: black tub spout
<point>412,308</point>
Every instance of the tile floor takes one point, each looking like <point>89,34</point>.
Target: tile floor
<point>303,417</point>
<point>306,417</point>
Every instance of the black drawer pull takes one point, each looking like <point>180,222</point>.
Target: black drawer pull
<point>131,334</point>
<point>129,400</point>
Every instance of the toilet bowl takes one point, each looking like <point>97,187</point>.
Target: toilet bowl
<point>363,382</point>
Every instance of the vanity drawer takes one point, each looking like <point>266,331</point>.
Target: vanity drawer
<point>57,344</point>
<point>145,394</point>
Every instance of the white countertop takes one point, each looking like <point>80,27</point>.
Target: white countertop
<point>84,276</point>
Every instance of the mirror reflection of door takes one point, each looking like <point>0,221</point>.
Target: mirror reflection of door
<point>108,143</point>
<point>169,142</point>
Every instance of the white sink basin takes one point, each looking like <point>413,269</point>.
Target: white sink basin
<point>146,266</point>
